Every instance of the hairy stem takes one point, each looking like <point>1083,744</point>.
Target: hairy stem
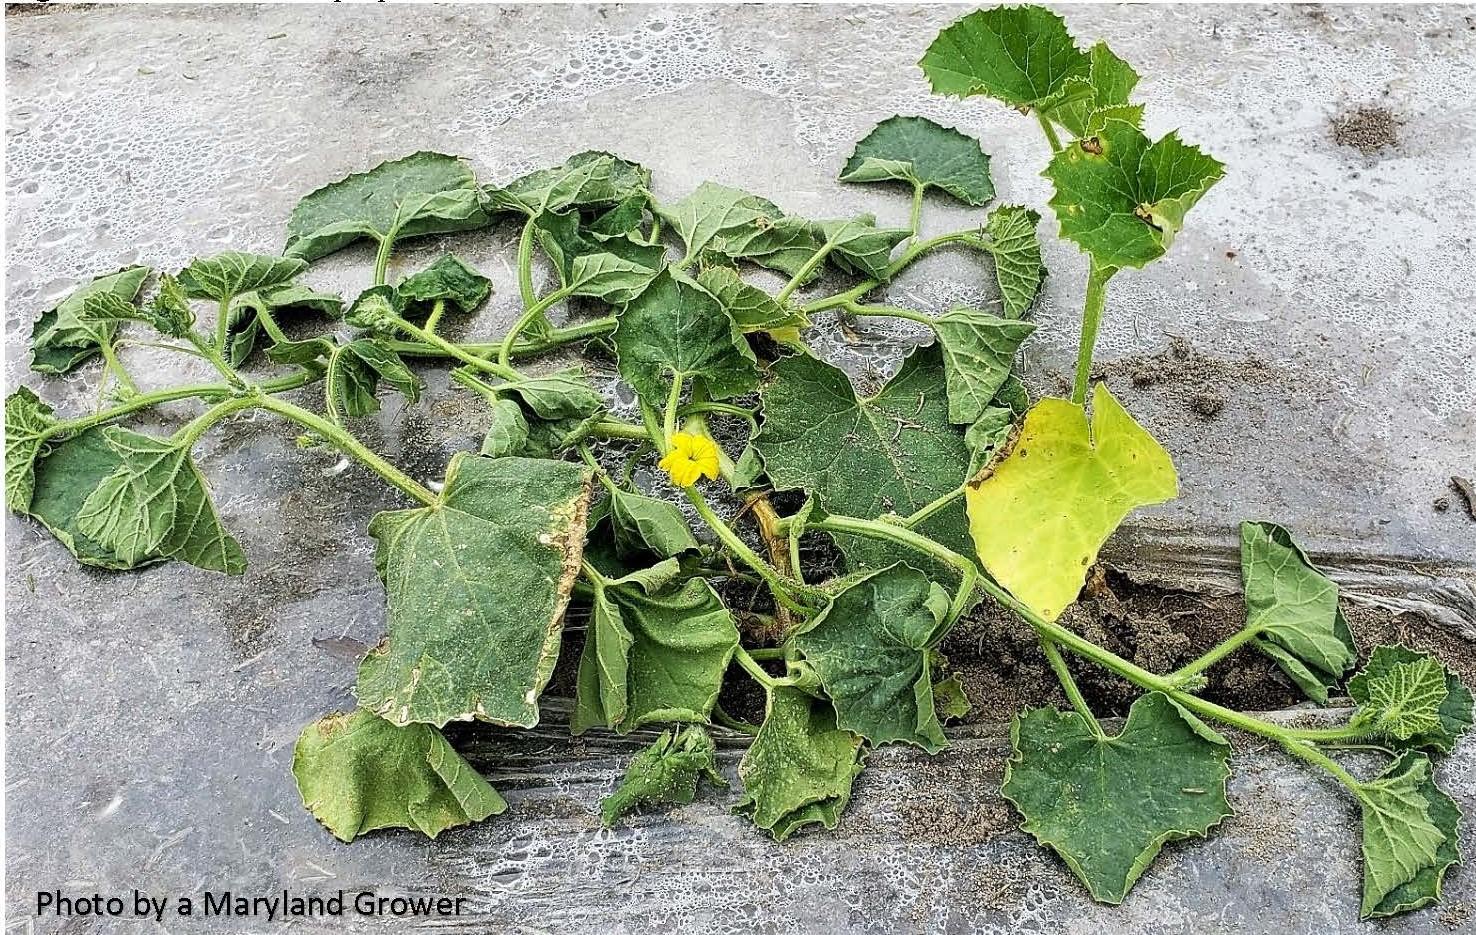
<point>968,237</point>
<point>887,311</point>
<point>1091,317</point>
<point>557,337</point>
<point>173,394</point>
<point>915,221</point>
<point>456,351</point>
<point>804,272</point>
<point>918,518</point>
<point>113,365</point>
<point>434,318</point>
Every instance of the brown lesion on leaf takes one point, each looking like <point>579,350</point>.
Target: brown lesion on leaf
<point>1144,213</point>
<point>566,533</point>
<point>995,459</point>
<point>330,724</point>
<point>1091,145</point>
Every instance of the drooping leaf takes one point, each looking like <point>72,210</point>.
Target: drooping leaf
<point>106,311</point>
<point>507,432</point>
<point>60,339</point>
<point>1377,691</point>
<point>1016,251</point>
<point>28,422</point>
<point>626,217</point>
<point>1108,804</point>
<point>376,309</point>
<point>477,584</point>
<point>560,408</point>
<point>978,354</point>
<point>1022,56</point>
<point>922,153</point>
<point>423,193</point>
<point>723,220</point>
<point>1404,856</point>
<point>449,279</point>
<point>871,647</point>
<point>751,308</point>
<point>222,277</point>
<point>616,277</point>
<point>800,767</point>
<point>1409,778</point>
<point>246,322</point>
<point>585,180</point>
<point>988,436</point>
<point>358,773</point>
<point>676,328</point>
<point>894,452</point>
<point>155,504</point>
<point>356,369</point>
<point>666,771</point>
<point>1122,198</point>
<point>646,524</point>
<point>858,246</point>
<point>1294,607</point>
<point>64,477</point>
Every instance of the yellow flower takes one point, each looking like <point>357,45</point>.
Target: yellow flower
<point>690,457</point>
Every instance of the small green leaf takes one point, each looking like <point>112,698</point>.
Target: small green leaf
<point>676,328</point>
<point>1016,251</point>
<point>1387,667</point>
<point>1022,56</point>
<point>477,585</point>
<point>586,180</point>
<point>423,193</point>
<point>376,309</point>
<point>28,422</point>
<point>978,353</point>
<point>60,339</point>
<point>871,647</point>
<point>858,246</point>
<point>358,773</point>
<point>1294,607</point>
<point>507,433</point>
<point>169,313</point>
<point>751,308</point>
<point>923,153</point>
<point>449,279</point>
<point>155,505</point>
<point>645,524</point>
<point>666,771</point>
<point>1107,87</point>
<point>951,701</point>
<point>1039,518</point>
<point>1411,778</point>
<point>359,366</point>
<point>1122,198</point>
<point>625,218</point>
<point>222,277</point>
<point>560,409</point>
<point>894,452</point>
<point>1402,842</point>
<point>988,436</point>
<point>1108,804</point>
<point>799,769</point>
<point>1404,699</point>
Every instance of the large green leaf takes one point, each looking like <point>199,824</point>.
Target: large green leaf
<point>676,328</point>
<point>894,452</point>
<point>1122,198</point>
<point>1044,510</point>
<point>477,584</point>
<point>1397,681</point>
<point>1294,609</point>
<point>65,476</point>
<point>449,279</point>
<point>799,769</point>
<point>222,277</point>
<point>978,354</point>
<point>1022,56</point>
<point>28,422</point>
<point>358,773</point>
<point>60,339</point>
<point>423,193</point>
<point>1393,849</point>
<point>1016,251</point>
<point>924,154</point>
<point>1404,852</point>
<point>585,180</point>
<point>871,647</point>
<point>1108,804</point>
<point>666,771</point>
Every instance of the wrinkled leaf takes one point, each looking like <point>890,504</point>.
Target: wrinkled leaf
<point>666,771</point>
<point>507,432</point>
<point>1016,251</point>
<point>1408,779</point>
<point>723,220</point>
<point>560,409</point>
<point>616,278</point>
<point>951,701</point>
<point>449,279</point>
<point>1404,699</point>
<point>799,769</point>
<point>67,474</point>
<point>1022,56</point>
<point>858,246</point>
<point>751,308</point>
<point>245,322</point>
<point>1390,666</point>
<point>476,585</point>
<point>675,328</point>
<point>1105,88</point>
<point>356,369</point>
<point>646,524</point>
<point>1107,805</point>
<point>922,153</point>
<point>588,179</point>
<point>1044,510</point>
<point>978,353</point>
<point>358,773</point>
<point>224,276</point>
<point>60,339</point>
<point>28,422</point>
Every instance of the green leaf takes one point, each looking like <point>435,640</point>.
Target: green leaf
<point>675,328</point>
<point>449,279</point>
<point>1404,699</point>
<point>64,477</point>
<point>1108,804</point>
<point>560,409</point>
<point>666,771</point>
<point>155,505</point>
<point>645,524</point>
<point>169,313</point>
<point>871,647</point>
<point>28,422</point>
<point>376,309</point>
<point>988,436</point>
<point>616,278</point>
<point>894,452</point>
<point>507,433</point>
<point>359,366</point>
<point>751,308</point>
<point>655,650</point>
<point>60,339</point>
<point>1411,778</point>
<point>1122,198</point>
<point>858,246</point>
<point>925,154</point>
<point>625,218</point>
<point>1402,842</point>
<point>1022,56</point>
<point>978,353</point>
<point>1040,516</point>
<point>1106,87</point>
<point>224,276</point>
<point>1016,251</point>
<point>244,324</point>
<point>1375,691</point>
<point>423,193</point>
<point>799,769</point>
<point>726,221</point>
<point>477,584</point>
<point>951,701</point>
<point>586,180</point>
<point>358,773</point>
<point>1294,606</point>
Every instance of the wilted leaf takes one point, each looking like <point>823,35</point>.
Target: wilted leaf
<point>922,153</point>
<point>858,246</point>
<point>28,421</point>
<point>64,477</point>
<point>507,432</point>
<point>666,771</point>
<point>1040,516</point>
<point>950,700</point>
<point>675,328</point>
<point>1389,667</point>
<point>224,276</point>
<point>356,369</point>
<point>1107,805</point>
<point>1016,251</point>
<point>449,279</point>
<point>423,193</point>
<point>1391,848</point>
<point>800,767</point>
<point>726,221</point>
<point>751,308</point>
<point>477,586</point>
<point>1105,88</point>
<point>978,353</point>
<point>646,524</point>
<point>244,324</point>
<point>60,339</point>
<point>358,773</point>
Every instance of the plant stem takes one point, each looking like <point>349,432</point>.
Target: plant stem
<point>887,311</point>
<point>453,350</point>
<point>113,365</point>
<point>211,353</point>
<point>525,263</point>
<point>504,351</point>
<point>729,721</point>
<point>917,205</point>
<point>1214,655</point>
<point>1050,131</point>
<point>192,430</point>
<point>673,400</point>
<point>349,445</point>
<point>173,394</point>
<point>381,258</point>
<point>751,666</point>
<point>922,514</point>
<point>768,655</point>
<point>1068,684</point>
<point>609,428</point>
<point>222,324</point>
<point>777,585</point>
<point>556,338</point>
<point>434,318</point>
<point>330,378</point>
<point>804,272</point>
<point>1091,317</point>
<point>969,237</point>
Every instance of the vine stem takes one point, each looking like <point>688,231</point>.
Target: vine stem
<point>915,221</point>
<point>525,263</point>
<point>804,272</point>
<point>453,350</point>
<point>113,365</point>
<point>1068,684</point>
<point>434,318</point>
<point>751,666</point>
<point>887,311</point>
<point>921,515</point>
<point>1214,655</point>
<point>777,585</point>
<point>673,401</point>
<point>504,350</point>
<point>1050,131</point>
<point>173,394</point>
<point>382,257</point>
<point>198,426</point>
<point>558,337</point>
<point>1091,317</point>
<point>908,257</point>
